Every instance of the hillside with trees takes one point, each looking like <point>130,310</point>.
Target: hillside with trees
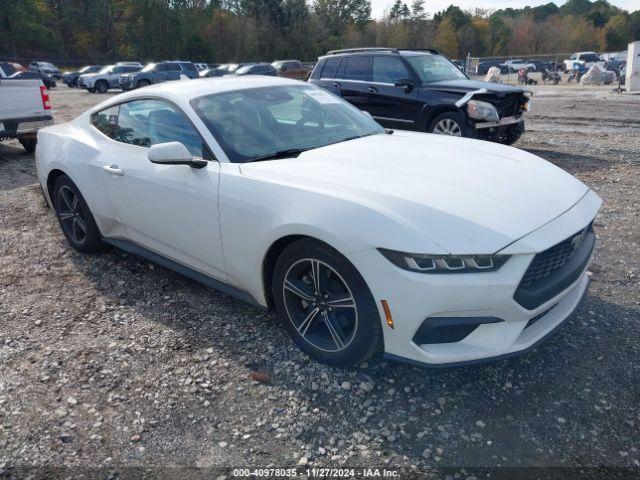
<point>228,30</point>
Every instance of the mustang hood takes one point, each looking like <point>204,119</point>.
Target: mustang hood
<point>467,196</point>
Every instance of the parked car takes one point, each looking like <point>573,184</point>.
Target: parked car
<point>291,69</point>
<point>157,73</point>
<point>221,70</point>
<point>71,78</point>
<point>257,69</point>
<point>541,65</point>
<point>515,65</point>
<point>17,66</point>
<point>422,90</point>
<point>47,68</point>
<point>290,198</point>
<point>48,80</point>
<point>213,72</point>
<point>483,67</point>
<point>615,65</point>
<point>108,77</point>
<point>586,59</point>
<point>24,106</point>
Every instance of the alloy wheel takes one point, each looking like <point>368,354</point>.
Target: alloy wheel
<point>320,305</point>
<point>446,126</point>
<point>71,216</point>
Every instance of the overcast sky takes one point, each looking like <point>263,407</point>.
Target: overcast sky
<point>432,6</point>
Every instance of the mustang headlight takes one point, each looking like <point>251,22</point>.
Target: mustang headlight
<point>482,111</point>
<point>417,262</point>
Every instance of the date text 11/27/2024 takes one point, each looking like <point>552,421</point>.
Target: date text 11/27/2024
<point>316,472</point>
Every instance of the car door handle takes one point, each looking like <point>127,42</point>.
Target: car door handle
<point>373,90</point>
<point>336,84</point>
<point>113,170</point>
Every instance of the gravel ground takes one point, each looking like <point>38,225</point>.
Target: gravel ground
<point>108,361</point>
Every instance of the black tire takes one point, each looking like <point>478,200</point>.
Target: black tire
<point>74,216</point>
<point>91,90</point>
<point>29,144</point>
<point>102,86</point>
<point>354,319</point>
<point>453,121</point>
<point>143,83</point>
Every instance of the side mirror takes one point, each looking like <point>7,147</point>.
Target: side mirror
<point>173,153</point>
<point>283,68</point>
<point>407,83</point>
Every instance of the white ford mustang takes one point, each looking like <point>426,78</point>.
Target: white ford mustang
<point>437,250</point>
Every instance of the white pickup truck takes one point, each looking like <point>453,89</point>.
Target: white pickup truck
<point>24,108</point>
<point>584,59</point>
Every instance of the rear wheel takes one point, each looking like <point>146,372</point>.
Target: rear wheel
<point>29,144</point>
<point>102,86</point>
<point>325,304</point>
<point>76,220</point>
<point>449,123</point>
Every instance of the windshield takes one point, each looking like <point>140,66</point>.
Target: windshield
<point>434,68</point>
<point>259,122</point>
<point>244,69</point>
<point>107,69</point>
<point>149,67</point>
<point>8,69</point>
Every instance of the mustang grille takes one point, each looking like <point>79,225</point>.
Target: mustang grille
<point>547,262</point>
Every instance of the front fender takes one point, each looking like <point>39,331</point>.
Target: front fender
<point>256,213</point>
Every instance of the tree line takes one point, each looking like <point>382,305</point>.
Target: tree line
<point>246,30</point>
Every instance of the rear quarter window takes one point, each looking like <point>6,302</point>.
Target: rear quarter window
<point>107,121</point>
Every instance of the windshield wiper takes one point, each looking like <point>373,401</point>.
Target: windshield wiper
<point>291,152</point>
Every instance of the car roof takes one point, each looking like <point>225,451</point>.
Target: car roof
<point>407,52</point>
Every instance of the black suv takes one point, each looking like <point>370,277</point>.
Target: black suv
<point>158,73</point>
<point>422,90</point>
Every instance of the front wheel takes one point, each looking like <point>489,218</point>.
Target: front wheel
<point>102,86</point>
<point>325,304</point>
<point>143,83</point>
<point>76,220</point>
<point>449,123</point>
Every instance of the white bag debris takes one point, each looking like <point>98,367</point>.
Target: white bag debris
<point>597,75</point>
<point>493,75</point>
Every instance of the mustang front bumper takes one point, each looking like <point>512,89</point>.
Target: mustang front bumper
<point>483,320</point>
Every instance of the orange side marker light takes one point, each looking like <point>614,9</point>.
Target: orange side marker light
<point>387,313</point>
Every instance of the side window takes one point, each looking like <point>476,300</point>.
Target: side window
<point>330,68</point>
<point>357,68</point>
<point>388,70</point>
<point>189,67</point>
<point>173,67</point>
<point>107,121</point>
<point>148,122</point>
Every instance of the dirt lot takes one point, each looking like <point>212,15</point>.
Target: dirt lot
<point>108,361</point>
